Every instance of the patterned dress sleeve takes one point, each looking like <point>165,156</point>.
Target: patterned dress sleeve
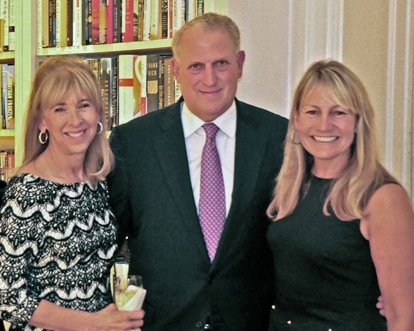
<point>20,238</point>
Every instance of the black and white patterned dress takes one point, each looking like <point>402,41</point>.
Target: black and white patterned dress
<point>57,242</point>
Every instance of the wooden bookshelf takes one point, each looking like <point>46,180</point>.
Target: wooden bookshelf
<point>28,53</point>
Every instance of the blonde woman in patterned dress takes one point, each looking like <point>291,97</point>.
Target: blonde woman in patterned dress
<point>57,232</point>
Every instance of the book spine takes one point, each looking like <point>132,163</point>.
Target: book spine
<point>161,74</point>
<point>140,83</point>
<point>128,21</point>
<point>169,84</point>
<point>114,91</point>
<point>95,21</point>
<point>164,19</point>
<point>6,26</point>
<point>200,7</point>
<point>152,82</point>
<point>140,12</point>
<point>69,23</point>
<point>117,21</point>
<point>155,20</point>
<point>125,87</point>
<point>104,85</point>
<point>146,30</point>
<point>102,28</point>
<point>77,23</point>
<point>12,24</point>
<point>110,21</point>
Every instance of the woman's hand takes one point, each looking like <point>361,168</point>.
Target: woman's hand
<point>112,319</point>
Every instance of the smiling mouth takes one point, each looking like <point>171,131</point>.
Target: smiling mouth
<point>325,139</point>
<point>76,134</point>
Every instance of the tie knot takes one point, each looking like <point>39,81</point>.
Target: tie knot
<point>211,130</point>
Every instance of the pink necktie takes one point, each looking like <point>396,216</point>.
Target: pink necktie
<point>212,205</point>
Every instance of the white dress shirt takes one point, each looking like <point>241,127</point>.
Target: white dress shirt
<point>195,138</point>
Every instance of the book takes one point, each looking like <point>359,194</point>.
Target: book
<point>169,82</point>
<point>153,93</point>
<point>114,91</point>
<point>102,22</point>
<point>61,23</point>
<point>96,4</point>
<point>131,87</point>
<point>69,23</point>
<point>155,20</point>
<point>87,22</point>
<point>52,23</point>
<point>164,19</point>
<point>8,84</point>
<point>117,25</point>
<point>105,81</point>
<point>161,74</point>
<point>191,11</point>
<point>146,23</point>
<point>6,26</point>
<point>127,20</point>
<point>200,7</point>
<point>78,24</point>
<point>109,21</point>
<point>139,12</point>
<point>12,24</point>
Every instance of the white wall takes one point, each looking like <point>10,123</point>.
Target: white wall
<point>373,37</point>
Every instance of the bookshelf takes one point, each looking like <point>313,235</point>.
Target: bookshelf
<point>28,52</point>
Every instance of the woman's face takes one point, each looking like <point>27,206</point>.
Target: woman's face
<point>326,131</point>
<point>72,125</point>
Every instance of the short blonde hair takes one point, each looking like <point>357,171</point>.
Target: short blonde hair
<point>55,78</point>
<point>208,22</point>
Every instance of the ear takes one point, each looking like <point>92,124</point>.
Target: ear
<point>295,118</point>
<point>241,56</point>
<point>42,126</point>
<point>176,68</point>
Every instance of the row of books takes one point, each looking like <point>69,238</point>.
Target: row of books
<point>134,85</point>
<point>64,23</point>
<point>7,25</point>
<point>7,164</point>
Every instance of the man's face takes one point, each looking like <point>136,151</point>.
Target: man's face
<point>208,69</point>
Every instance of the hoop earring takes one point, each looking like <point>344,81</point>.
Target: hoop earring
<point>292,137</point>
<point>100,128</point>
<point>43,137</point>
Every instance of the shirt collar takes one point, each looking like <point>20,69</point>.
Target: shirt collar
<point>226,122</point>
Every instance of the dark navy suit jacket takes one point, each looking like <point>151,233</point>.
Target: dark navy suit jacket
<point>151,194</point>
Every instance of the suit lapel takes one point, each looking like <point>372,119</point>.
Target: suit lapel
<point>250,148</point>
<point>169,144</point>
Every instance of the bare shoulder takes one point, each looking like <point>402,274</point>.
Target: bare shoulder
<point>389,206</point>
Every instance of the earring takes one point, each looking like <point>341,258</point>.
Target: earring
<point>43,137</point>
<point>292,137</point>
<point>100,128</point>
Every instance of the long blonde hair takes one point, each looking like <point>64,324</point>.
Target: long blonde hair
<point>349,193</point>
<point>55,78</point>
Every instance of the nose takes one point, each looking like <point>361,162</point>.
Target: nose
<point>209,76</point>
<point>74,116</point>
<point>324,122</point>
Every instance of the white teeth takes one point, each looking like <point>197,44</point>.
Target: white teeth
<point>76,135</point>
<point>324,139</point>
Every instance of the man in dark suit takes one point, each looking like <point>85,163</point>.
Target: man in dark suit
<point>155,191</point>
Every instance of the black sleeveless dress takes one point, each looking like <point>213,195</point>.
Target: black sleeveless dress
<point>325,276</point>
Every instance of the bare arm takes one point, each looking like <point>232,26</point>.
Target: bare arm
<point>389,226</point>
<point>52,317</point>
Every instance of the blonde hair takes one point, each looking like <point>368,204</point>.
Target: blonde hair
<point>54,80</point>
<point>349,193</point>
<point>208,22</point>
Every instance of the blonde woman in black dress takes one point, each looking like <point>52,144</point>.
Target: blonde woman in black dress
<point>343,226</point>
